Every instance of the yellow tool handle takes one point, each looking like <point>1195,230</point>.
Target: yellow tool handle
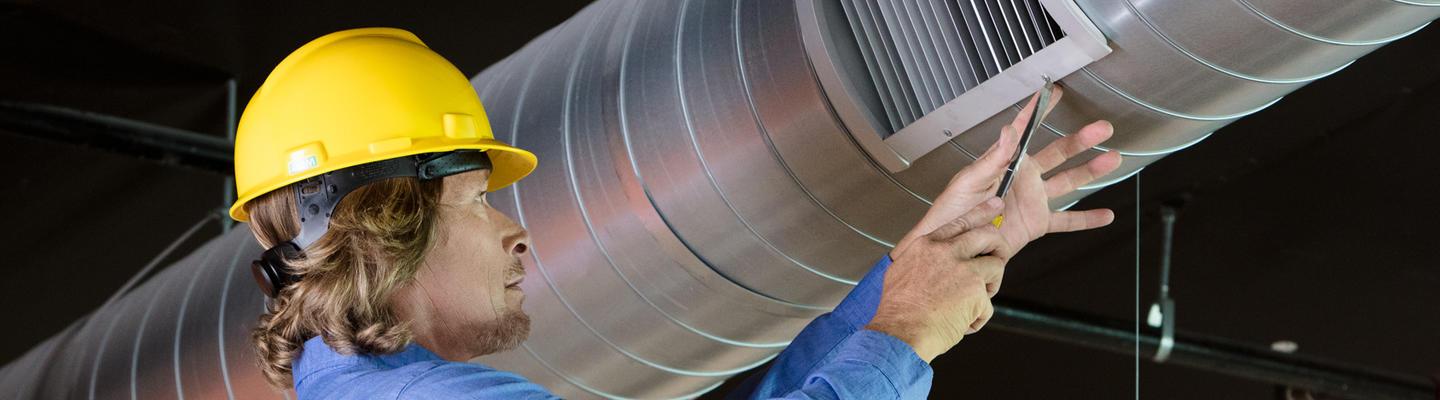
<point>998,219</point>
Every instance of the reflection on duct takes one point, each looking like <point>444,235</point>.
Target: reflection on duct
<point>700,197</point>
<point>184,333</point>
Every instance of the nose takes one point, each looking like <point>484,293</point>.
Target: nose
<point>517,240</point>
<point>517,243</point>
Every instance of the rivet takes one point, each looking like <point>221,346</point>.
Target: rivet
<point>948,133</point>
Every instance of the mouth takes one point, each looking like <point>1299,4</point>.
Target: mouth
<point>518,271</point>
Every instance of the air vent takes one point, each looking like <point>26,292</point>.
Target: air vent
<point>922,54</point>
<point>908,75</point>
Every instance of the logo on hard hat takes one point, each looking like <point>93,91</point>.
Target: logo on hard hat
<point>300,162</point>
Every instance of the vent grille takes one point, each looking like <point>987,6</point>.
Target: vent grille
<point>920,54</point>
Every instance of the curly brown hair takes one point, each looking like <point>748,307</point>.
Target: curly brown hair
<point>378,236</point>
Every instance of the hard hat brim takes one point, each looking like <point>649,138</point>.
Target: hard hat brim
<point>510,165</point>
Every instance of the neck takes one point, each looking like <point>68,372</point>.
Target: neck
<point>427,326</point>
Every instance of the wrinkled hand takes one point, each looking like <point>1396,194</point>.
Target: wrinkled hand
<point>1027,211</point>
<point>938,289</point>
<point>1027,207</point>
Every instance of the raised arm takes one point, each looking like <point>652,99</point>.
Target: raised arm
<point>878,341</point>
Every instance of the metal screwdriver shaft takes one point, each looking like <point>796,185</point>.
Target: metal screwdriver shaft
<point>1035,117</point>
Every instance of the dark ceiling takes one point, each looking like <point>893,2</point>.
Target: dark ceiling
<point>1311,221</point>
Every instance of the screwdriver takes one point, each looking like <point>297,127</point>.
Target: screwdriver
<point>1030,125</point>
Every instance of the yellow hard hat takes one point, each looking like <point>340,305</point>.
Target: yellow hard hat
<point>359,96</point>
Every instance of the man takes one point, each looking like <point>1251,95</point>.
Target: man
<point>363,164</point>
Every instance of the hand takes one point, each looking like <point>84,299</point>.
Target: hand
<point>938,289</point>
<point>1027,206</point>
<point>1027,213</point>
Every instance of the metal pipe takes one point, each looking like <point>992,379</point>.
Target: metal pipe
<point>699,199</point>
<point>163,144</point>
<point>232,117</point>
<point>185,331</point>
<point>1212,354</point>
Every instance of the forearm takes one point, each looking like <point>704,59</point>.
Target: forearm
<point>866,365</point>
<point>816,348</point>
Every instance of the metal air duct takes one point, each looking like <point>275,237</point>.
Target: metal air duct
<point>705,189</point>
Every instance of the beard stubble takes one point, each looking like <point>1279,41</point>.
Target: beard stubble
<point>508,331</point>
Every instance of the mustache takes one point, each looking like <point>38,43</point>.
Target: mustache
<point>516,267</point>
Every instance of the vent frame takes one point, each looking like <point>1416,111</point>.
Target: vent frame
<point>847,77</point>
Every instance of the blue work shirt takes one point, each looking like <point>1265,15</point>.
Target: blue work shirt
<point>832,358</point>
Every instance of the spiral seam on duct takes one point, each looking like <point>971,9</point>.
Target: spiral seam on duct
<point>677,237</point>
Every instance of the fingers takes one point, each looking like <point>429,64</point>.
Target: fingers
<point>983,240</point>
<point>1060,150</point>
<point>979,216</point>
<point>1068,180</point>
<point>987,310</point>
<point>1070,221</point>
<point>992,270</point>
<point>1024,116</point>
<point>991,165</point>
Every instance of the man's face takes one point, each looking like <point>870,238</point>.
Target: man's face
<point>471,276</point>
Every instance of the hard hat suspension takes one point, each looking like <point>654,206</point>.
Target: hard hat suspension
<point>316,198</point>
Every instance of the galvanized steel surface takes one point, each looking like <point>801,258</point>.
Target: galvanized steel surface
<point>184,333</point>
<point>698,201</point>
<point>721,137</point>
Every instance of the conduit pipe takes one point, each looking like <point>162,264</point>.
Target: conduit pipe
<point>699,199</point>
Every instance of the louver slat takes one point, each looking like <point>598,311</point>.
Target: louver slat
<point>921,78</point>
<point>880,46</point>
<point>990,14</point>
<point>939,55</point>
<point>921,54</point>
<point>949,31</point>
<point>884,82</point>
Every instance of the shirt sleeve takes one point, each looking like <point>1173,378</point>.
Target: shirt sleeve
<point>834,357</point>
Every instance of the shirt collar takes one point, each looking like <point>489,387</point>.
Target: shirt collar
<point>318,356</point>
